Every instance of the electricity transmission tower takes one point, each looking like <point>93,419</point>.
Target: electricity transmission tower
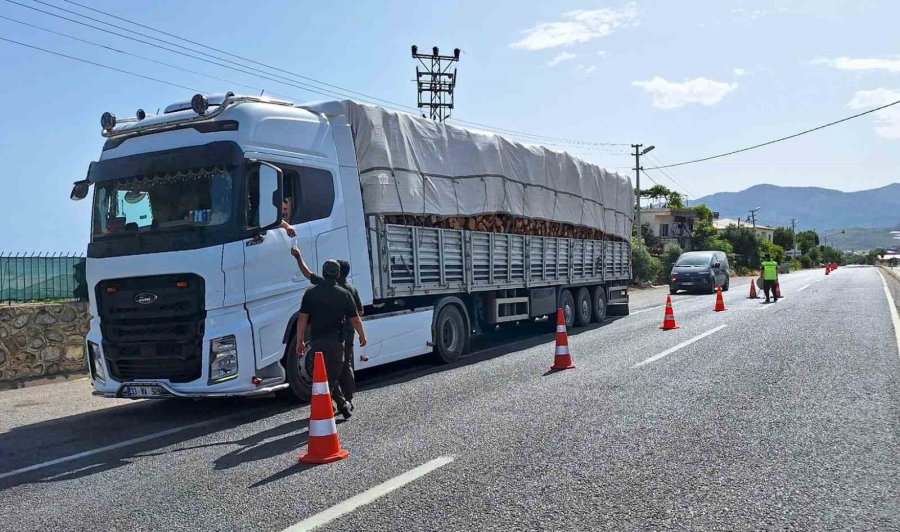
<point>436,84</point>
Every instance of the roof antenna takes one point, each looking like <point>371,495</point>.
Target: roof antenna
<point>261,92</point>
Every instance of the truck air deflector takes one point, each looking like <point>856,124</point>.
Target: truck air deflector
<point>219,153</point>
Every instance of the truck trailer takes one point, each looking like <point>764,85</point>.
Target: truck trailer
<point>450,232</point>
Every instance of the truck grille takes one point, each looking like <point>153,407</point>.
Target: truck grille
<point>153,326</point>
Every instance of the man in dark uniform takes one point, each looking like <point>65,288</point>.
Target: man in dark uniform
<point>325,308</point>
<point>348,377</point>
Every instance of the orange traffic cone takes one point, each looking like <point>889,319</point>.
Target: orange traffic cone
<point>753,290</point>
<point>777,289</point>
<point>827,269</point>
<point>669,319</point>
<point>720,303</point>
<point>324,445</point>
<point>563,358</point>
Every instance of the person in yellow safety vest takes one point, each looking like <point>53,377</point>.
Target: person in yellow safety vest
<point>770,277</point>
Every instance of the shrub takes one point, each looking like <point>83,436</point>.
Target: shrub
<point>645,268</point>
<point>668,258</point>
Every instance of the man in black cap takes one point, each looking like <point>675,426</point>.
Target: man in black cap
<point>326,307</point>
<point>348,377</point>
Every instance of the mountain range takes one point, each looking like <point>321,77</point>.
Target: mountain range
<point>866,216</point>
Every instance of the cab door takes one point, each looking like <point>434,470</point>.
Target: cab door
<point>273,284</point>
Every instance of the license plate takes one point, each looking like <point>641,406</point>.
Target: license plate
<point>144,390</point>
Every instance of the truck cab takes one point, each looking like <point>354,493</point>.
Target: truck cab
<point>192,286</point>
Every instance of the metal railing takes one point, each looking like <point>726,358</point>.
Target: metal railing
<point>27,277</point>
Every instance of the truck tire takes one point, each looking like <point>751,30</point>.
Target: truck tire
<point>598,304</point>
<point>583,306</point>
<point>299,375</point>
<point>567,303</point>
<point>451,335</point>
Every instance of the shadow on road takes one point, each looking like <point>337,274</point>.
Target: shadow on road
<point>44,442</point>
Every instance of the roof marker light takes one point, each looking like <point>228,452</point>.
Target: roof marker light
<point>141,114</point>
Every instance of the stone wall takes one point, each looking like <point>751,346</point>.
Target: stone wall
<point>42,339</point>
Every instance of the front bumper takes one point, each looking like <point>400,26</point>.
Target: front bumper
<point>262,389</point>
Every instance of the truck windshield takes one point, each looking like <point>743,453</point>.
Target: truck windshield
<point>163,202</point>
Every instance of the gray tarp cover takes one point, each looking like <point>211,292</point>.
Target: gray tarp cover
<point>412,165</point>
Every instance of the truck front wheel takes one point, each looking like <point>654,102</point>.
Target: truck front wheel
<point>451,335</point>
<point>299,375</point>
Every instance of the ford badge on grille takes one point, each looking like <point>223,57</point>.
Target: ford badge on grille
<point>145,299</point>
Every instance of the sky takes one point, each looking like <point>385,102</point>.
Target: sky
<point>693,78</point>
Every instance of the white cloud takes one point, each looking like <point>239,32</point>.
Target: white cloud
<point>670,95</point>
<point>861,63</point>
<point>887,121</point>
<point>738,72</point>
<point>564,56</point>
<point>752,14</point>
<point>755,14</point>
<point>602,53</point>
<point>586,69</point>
<point>576,27</point>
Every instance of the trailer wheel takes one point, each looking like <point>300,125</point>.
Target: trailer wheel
<point>451,336</point>
<point>567,303</point>
<point>299,374</point>
<point>599,301</point>
<point>583,305</point>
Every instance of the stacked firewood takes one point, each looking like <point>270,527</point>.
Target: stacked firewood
<point>501,223</point>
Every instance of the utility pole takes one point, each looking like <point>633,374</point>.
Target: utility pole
<point>752,217</point>
<point>637,186</point>
<point>794,223</point>
<point>436,81</point>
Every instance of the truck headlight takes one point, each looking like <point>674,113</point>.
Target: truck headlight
<point>223,361</point>
<point>96,365</point>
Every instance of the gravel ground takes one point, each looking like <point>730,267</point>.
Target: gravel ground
<point>787,418</point>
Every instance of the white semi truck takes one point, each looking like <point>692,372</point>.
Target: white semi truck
<point>194,293</point>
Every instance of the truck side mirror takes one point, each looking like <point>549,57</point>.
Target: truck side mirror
<point>717,265</point>
<point>80,190</point>
<point>270,196</point>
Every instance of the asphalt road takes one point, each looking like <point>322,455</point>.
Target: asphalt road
<point>780,416</point>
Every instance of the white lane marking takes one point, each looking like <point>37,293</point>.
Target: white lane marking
<point>686,343</point>
<point>368,496</point>
<point>894,317</point>
<point>114,446</point>
<point>802,288</point>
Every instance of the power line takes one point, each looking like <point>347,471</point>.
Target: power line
<point>294,74</point>
<point>663,172</point>
<point>99,65</point>
<point>124,52</point>
<point>823,126</point>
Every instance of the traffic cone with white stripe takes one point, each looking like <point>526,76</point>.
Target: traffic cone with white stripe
<point>753,290</point>
<point>563,358</point>
<point>720,301</point>
<point>669,320</point>
<point>324,445</point>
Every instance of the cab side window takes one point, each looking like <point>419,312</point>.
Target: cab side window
<point>311,192</point>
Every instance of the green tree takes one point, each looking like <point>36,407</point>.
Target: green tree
<point>720,244</point>
<point>746,246</point>
<point>650,239</point>
<point>783,237</point>
<point>807,240</point>
<point>674,200</point>
<point>773,250</point>
<point>703,232</point>
<point>830,254</point>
